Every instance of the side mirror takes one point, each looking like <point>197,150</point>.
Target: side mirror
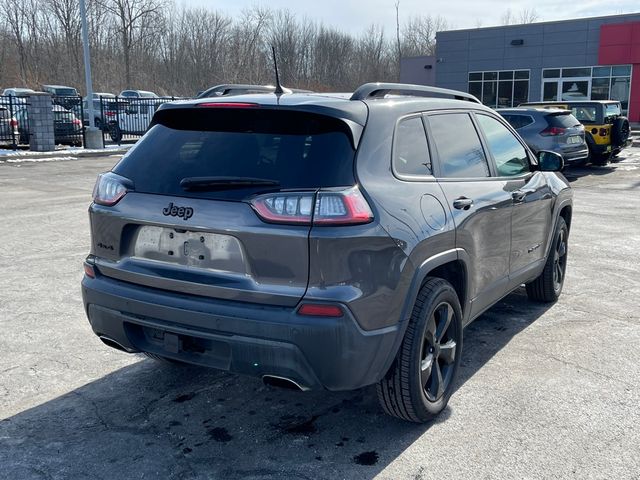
<point>550,161</point>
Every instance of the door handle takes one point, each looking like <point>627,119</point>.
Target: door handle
<point>462,203</point>
<point>519,195</point>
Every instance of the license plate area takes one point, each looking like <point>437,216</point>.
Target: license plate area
<point>573,139</point>
<point>204,250</point>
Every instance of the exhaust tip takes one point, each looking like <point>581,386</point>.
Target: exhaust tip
<point>282,382</point>
<point>113,344</point>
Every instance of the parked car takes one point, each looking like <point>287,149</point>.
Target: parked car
<point>102,113</point>
<point>137,94</point>
<point>324,241</point>
<point>9,133</point>
<point>242,89</point>
<point>67,128</point>
<point>20,94</point>
<point>60,90</point>
<point>549,129</point>
<point>133,118</point>
<point>66,97</point>
<point>607,130</point>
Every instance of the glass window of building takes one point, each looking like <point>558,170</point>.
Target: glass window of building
<point>588,83</point>
<point>500,89</point>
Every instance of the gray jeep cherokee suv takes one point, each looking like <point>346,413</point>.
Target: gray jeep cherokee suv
<point>324,240</point>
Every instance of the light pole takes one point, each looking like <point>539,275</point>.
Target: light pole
<point>87,63</point>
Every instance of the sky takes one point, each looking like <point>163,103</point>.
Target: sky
<point>354,16</point>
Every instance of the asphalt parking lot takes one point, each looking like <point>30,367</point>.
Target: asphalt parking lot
<point>544,391</point>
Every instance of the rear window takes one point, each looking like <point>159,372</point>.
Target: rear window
<point>563,120</point>
<point>518,121</point>
<point>586,114</point>
<point>296,149</point>
<point>66,92</point>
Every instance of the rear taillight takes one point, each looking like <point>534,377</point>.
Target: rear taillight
<point>76,122</point>
<point>89,271</point>
<point>604,132</point>
<point>110,114</point>
<point>109,189</point>
<point>13,123</point>
<point>553,131</point>
<point>333,207</point>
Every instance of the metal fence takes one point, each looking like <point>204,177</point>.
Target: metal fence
<point>68,115</point>
<point>126,119</point>
<point>11,132</point>
<point>15,127</point>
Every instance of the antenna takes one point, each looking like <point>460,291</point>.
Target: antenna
<point>278,90</point>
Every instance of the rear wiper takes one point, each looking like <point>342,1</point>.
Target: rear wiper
<point>222,183</point>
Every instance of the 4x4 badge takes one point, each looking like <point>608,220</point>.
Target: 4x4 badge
<point>175,211</point>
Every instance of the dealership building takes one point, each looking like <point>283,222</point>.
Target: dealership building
<point>591,58</point>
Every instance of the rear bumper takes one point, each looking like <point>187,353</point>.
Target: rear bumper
<point>257,340</point>
<point>576,155</point>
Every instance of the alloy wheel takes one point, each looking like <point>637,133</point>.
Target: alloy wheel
<point>438,352</point>
<point>559,260</point>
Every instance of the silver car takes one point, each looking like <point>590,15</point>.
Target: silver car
<point>555,129</point>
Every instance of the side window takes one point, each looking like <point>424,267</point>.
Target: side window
<point>410,152</point>
<point>509,154</point>
<point>460,152</point>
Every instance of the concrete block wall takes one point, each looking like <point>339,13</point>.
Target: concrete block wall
<point>41,135</point>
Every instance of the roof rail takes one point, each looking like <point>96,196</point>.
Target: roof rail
<point>373,90</point>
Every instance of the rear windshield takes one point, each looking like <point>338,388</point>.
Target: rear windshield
<point>563,120</point>
<point>296,149</point>
<point>66,92</point>
<point>585,114</point>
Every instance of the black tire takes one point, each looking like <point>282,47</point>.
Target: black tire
<point>548,286</point>
<point>412,389</point>
<point>599,159</point>
<point>620,131</point>
<point>115,133</point>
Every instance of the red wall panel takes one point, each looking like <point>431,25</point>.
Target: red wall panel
<point>620,44</point>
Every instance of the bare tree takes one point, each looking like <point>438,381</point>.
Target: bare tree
<point>526,15</point>
<point>419,35</point>
<point>16,19</point>
<point>178,50</point>
<point>136,21</point>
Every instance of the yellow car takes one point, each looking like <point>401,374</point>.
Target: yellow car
<point>606,129</point>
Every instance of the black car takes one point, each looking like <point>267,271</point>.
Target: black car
<point>324,241</point>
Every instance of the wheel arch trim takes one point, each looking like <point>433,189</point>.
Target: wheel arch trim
<point>419,276</point>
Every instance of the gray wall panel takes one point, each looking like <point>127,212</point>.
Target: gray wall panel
<point>572,43</point>
<point>565,49</point>
<point>561,38</point>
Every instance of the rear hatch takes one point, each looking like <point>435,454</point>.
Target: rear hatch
<point>566,129</point>
<point>189,223</point>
